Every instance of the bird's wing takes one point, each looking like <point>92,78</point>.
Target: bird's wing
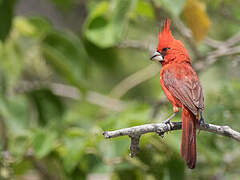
<point>183,83</point>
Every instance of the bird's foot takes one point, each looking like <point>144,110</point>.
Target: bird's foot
<point>168,123</point>
<point>160,133</point>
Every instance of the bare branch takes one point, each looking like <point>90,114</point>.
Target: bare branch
<point>105,101</point>
<point>160,128</point>
<point>134,147</point>
<point>212,42</point>
<point>235,39</point>
<point>212,57</point>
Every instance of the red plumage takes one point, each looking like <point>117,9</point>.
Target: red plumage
<point>182,88</point>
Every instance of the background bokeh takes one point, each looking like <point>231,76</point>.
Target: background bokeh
<point>71,69</point>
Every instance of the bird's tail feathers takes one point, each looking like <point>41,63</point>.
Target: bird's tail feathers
<point>188,142</point>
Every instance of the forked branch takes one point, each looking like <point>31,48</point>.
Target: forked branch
<point>135,132</point>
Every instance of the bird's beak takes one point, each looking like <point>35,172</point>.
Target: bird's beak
<point>156,56</point>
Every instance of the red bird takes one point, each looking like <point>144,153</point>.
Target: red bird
<point>182,87</point>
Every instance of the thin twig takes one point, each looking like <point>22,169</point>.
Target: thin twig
<point>160,128</point>
<point>222,49</point>
<point>91,96</point>
<point>133,80</point>
<point>136,45</point>
<point>213,56</point>
<point>40,167</point>
<point>71,92</point>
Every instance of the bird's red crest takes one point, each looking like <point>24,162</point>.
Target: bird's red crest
<point>165,36</point>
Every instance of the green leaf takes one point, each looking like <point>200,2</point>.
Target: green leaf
<point>131,116</point>
<point>66,55</point>
<point>124,171</point>
<point>105,28</point>
<point>176,167</point>
<point>18,146</point>
<point>145,9</point>
<point>175,7</point>
<point>11,56</point>
<point>6,14</point>
<point>32,27</point>
<point>103,57</point>
<point>92,163</point>
<point>14,110</point>
<point>49,107</point>
<point>63,4</point>
<point>74,151</point>
<point>43,143</point>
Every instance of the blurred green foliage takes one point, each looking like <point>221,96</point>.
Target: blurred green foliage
<point>61,129</point>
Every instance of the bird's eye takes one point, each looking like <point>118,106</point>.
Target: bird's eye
<point>165,49</point>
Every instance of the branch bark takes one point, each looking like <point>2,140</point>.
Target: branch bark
<point>135,132</point>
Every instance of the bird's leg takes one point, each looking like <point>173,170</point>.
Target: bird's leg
<point>201,121</point>
<point>175,110</point>
<point>167,121</point>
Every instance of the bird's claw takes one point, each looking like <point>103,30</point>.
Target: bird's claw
<point>166,121</point>
<point>169,127</point>
<point>160,133</point>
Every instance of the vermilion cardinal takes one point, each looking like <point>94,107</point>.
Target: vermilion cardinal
<point>182,88</point>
